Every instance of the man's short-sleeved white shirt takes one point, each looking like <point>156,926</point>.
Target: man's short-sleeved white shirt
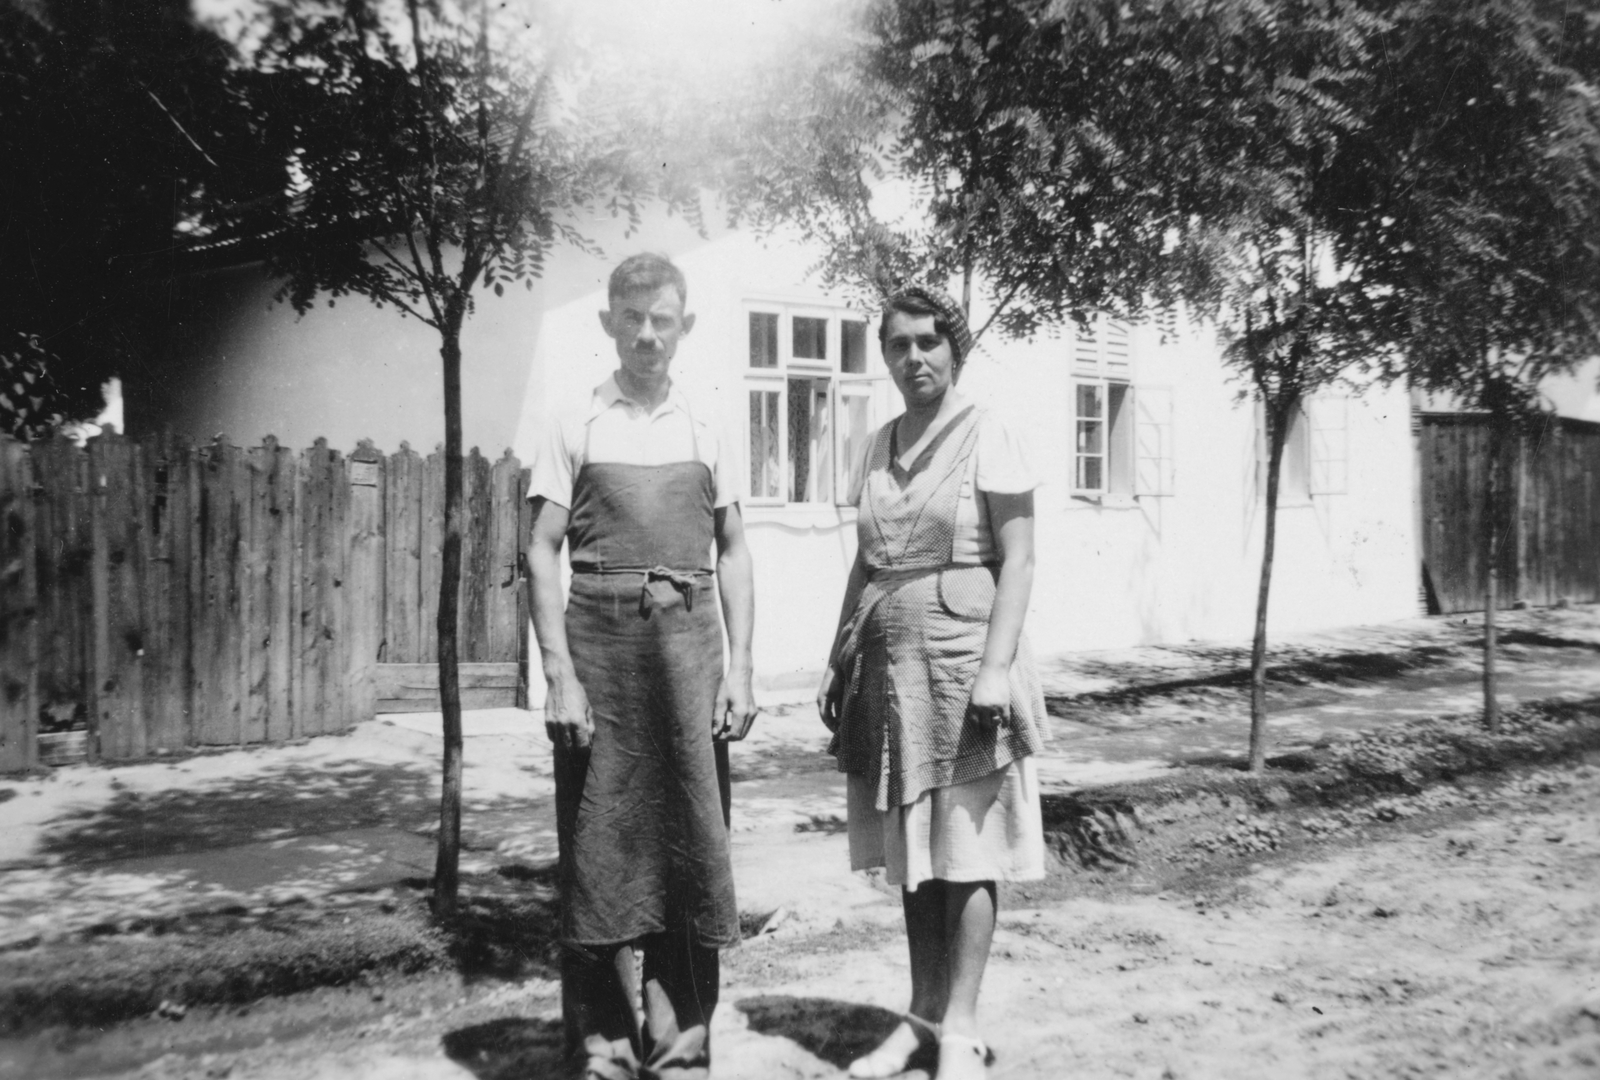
<point>616,430</point>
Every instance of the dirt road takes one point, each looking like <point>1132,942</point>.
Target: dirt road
<point>1459,942</point>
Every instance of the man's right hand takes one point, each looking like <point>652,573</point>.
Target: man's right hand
<point>566,715</point>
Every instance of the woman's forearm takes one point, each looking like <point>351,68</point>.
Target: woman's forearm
<point>1011,518</point>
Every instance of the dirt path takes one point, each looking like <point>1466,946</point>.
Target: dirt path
<point>1460,943</point>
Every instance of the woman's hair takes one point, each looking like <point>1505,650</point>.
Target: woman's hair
<point>948,320</point>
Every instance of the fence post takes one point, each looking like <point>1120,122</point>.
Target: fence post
<point>19,677</point>
<point>501,605</point>
<point>364,580</point>
<point>120,559</point>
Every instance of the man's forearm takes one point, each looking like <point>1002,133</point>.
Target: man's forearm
<point>736,585</point>
<point>549,613</point>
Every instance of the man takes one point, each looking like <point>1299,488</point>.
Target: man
<point>638,707</point>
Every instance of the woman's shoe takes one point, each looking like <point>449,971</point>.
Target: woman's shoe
<point>889,1059</point>
<point>962,1057</point>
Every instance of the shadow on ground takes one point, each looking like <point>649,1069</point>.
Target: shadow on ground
<point>835,1031</point>
<point>505,929</point>
<point>507,1049</point>
<point>298,800</point>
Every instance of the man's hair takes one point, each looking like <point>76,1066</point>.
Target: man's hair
<point>647,270</point>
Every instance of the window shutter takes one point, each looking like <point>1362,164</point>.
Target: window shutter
<point>1101,350</point>
<point>1114,352</point>
<point>1086,349</point>
<point>1152,438</point>
<point>1329,446</point>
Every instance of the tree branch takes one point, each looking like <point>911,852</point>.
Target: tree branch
<point>414,274</point>
<point>422,277</point>
<point>198,148</point>
<point>995,314</point>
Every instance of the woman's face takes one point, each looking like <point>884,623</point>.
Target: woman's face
<point>920,359</point>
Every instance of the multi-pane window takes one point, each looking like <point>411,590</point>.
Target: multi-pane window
<point>1122,434</point>
<point>810,391</point>
<point>1102,414</point>
<point>1315,451</point>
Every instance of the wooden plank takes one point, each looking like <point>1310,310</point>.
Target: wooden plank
<point>166,601</point>
<point>476,552</point>
<point>524,615</point>
<point>194,544</point>
<point>316,584</point>
<point>402,556</point>
<point>364,578</point>
<point>19,681</point>
<point>255,718</point>
<point>504,543</point>
<point>121,558</point>
<point>64,552</point>
<point>218,637</point>
<point>273,488</point>
<point>415,687</point>
<point>336,667</point>
<point>299,482</point>
<point>432,555</point>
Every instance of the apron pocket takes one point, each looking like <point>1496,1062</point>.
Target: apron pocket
<point>967,592</point>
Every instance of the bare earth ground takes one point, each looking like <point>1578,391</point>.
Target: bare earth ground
<point>1457,943</point>
<point>1453,932</point>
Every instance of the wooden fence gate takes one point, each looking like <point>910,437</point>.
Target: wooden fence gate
<point>1551,549</point>
<point>159,595</point>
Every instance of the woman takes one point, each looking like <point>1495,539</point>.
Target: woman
<point>934,704</point>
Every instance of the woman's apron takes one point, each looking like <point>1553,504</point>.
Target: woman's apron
<point>645,844</point>
<point>911,650</point>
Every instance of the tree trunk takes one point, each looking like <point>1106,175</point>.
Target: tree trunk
<point>1491,555</point>
<point>1277,429</point>
<point>446,874</point>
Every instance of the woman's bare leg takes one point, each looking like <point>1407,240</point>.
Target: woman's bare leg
<point>969,930</point>
<point>927,937</point>
<point>930,979</point>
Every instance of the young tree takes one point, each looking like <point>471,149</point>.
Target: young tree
<point>429,150</point>
<point>1481,183</point>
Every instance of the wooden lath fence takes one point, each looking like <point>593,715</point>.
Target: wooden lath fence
<point>164,595</point>
<point>1551,547</point>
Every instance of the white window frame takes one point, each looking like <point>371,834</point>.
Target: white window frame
<point>1102,357</point>
<point>841,388</point>
<point>1116,442</point>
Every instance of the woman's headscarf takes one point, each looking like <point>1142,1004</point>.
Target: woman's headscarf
<point>946,312</point>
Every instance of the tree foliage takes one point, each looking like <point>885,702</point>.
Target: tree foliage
<point>1016,133</point>
<point>115,130</point>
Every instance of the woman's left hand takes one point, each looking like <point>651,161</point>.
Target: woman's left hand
<point>990,705</point>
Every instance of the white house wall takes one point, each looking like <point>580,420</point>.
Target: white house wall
<point>1156,569</point>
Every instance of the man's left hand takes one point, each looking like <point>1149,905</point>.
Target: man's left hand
<point>735,709</point>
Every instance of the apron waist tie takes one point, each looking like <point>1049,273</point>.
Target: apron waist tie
<point>682,580</point>
<point>892,574</point>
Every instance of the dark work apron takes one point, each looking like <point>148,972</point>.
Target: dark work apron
<point>646,838</point>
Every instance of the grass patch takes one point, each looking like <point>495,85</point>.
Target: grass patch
<point>113,978</point>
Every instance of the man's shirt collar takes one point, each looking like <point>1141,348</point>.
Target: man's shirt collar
<point>610,393</point>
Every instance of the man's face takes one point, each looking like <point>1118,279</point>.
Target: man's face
<point>647,325</point>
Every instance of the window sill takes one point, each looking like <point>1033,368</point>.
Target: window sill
<point>800,516</point>
<point>1107,501</point>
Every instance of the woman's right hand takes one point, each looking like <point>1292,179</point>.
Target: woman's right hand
<point>566,714</point>
<point>830,696</point>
